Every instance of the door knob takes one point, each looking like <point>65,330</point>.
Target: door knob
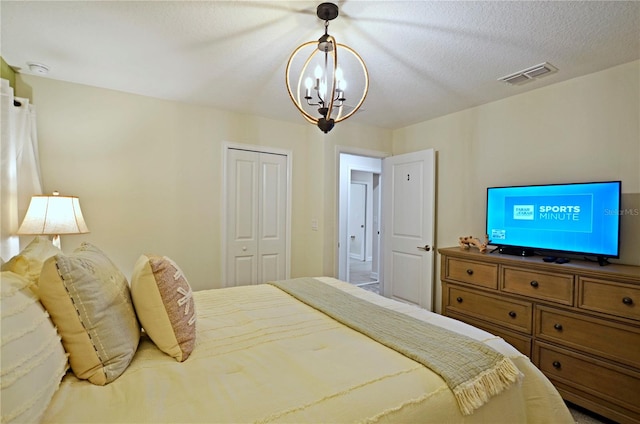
<point>426,248</point>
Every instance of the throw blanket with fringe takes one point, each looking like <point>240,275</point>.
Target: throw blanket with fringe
<point>473,371</point>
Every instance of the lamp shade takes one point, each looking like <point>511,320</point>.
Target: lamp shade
<point>53,215</point>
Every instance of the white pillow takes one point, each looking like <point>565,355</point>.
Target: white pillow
<point>33,359</point>
<point>29,261</point>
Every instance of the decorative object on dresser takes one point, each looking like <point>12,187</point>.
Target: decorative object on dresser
<point>578,322</point>
<point>467,242</point>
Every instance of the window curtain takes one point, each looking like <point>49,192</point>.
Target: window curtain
<point>19,166</point>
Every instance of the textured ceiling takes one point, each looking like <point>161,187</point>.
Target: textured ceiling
<point>425,58</point>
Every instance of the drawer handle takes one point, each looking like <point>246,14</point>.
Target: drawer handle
<point>470,271</point>
<point>459,299</point>
<point>557,364</point>
<point>512,314</point>
<point>534,284</point>
<point>627,301</point>
<point>557,327</point>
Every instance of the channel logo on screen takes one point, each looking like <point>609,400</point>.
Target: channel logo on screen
<point>550,212</point>
<point>523,212</point>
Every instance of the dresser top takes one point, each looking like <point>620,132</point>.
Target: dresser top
<point>577,266</point>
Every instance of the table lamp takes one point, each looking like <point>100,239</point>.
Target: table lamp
<point>53,215</point>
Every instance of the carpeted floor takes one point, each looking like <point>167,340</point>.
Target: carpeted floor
<point>583,416</point>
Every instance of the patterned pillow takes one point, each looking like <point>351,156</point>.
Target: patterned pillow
<point>33,359</point>
<point>164,304</point>
<point>29,261</point>
<point>90,303</point>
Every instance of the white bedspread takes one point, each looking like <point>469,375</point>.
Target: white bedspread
<point>262,356</point>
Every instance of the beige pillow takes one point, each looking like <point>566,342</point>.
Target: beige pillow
<point>90,303</point>
<point>164,304</point>
<point>33,359</point>
<point>29,261</point>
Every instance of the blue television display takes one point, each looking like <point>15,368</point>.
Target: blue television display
<point>580,218</point>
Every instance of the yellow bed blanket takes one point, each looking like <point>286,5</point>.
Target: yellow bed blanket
<point>472,370</point>
<point>262,356</point>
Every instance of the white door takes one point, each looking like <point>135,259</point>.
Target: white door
<point>256,217</point>
<point>357,220</point>
<point>408,194</point>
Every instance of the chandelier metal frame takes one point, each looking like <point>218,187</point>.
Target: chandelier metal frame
<point>334,97</point>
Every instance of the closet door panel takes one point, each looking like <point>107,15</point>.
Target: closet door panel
<point>256,230</point>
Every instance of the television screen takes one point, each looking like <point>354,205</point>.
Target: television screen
<point>575,218</point>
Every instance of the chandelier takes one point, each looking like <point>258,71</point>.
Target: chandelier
<point>320,90</point>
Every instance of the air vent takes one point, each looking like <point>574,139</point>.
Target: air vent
<point>529,74</point>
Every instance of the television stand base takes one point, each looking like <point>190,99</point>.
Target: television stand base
<point>602,260</point>
<point>516,251</point>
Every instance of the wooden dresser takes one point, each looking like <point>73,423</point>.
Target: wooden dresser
<point>579,322</point>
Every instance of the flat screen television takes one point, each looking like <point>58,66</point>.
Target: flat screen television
<point>577,218</point>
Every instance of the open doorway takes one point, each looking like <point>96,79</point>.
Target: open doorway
<point>359,221</point>
<point>403,243</point>
<point>363,230</point>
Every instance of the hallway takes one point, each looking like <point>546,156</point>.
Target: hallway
<point>360,275</point>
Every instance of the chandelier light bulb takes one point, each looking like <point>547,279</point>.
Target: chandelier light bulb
<point>308,83</point>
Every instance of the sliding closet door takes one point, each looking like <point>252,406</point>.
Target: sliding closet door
<point>256,217</point>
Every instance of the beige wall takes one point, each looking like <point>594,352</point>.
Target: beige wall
<point>149,174</point>
<point>584,129</point>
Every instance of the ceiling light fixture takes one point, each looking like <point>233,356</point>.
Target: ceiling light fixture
<point>325,79</point>
<point>38,68</point>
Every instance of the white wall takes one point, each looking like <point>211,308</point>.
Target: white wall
<point>584,129</point>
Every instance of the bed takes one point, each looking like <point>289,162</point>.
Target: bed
<point>261,354</point>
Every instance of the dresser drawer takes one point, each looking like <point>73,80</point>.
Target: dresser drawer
<point>520,342</point>
<point>618,299</point>
<point>597,336</point>
<point>514,314</point>
<point>607,381</point>
<point>540,285</point>
<point>479,274</point>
